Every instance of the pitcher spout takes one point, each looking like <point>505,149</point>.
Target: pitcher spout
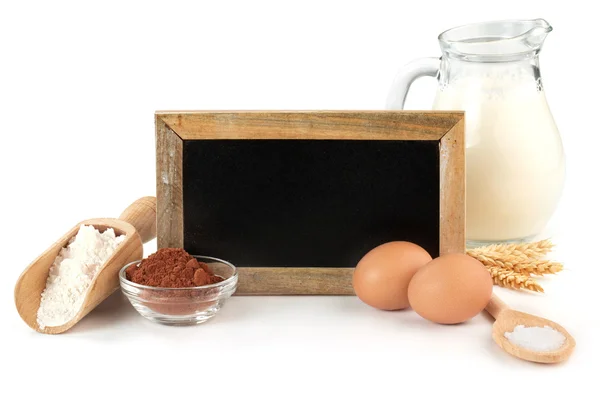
<point>541,24</point>
<point>495,41</point>
<point>540,28</point>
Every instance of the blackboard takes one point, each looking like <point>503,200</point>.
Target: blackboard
<point>334,199</point>
<point>295,199</point>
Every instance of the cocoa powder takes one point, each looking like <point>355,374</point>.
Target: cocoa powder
<point>171,268</point>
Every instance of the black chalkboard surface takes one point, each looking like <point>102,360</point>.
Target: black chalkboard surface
<point>302,203</point>
<point>295,199</point>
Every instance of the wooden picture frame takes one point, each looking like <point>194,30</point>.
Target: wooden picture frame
<point>174,127</point>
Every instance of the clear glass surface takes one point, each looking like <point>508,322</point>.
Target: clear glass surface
<point>515,163</point>
<point>495,41</point>
<point>182,306</point>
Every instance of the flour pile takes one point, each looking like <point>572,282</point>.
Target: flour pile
<point>72,272</point>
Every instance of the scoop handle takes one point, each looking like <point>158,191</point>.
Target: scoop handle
<point>496,306</point>
<point>142,215</point>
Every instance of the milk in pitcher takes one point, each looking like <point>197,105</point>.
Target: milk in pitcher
<point>515,165</point>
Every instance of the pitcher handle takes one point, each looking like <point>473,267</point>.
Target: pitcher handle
<point>428,66</point>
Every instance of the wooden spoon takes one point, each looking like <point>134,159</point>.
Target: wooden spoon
<point>138,222</point>
<point>506,321</point>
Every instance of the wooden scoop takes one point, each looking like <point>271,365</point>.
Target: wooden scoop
<point>138,222</point>
<point>506,321</point>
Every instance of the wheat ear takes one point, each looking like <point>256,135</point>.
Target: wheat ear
<point>513,280</point>
<point>518,264</point>
<point>518,250</point>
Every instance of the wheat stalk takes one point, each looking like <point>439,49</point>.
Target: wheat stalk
<point>513,280</point>
<point>518,250</point>
<point>538,267</point>
<point>511,265</point>
<point>528,266</point>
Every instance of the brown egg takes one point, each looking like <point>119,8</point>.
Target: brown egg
<point>382,276</point>
<point>450,289</point>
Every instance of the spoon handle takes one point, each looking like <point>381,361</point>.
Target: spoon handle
<point>142,215</point>
<point>496,306</point>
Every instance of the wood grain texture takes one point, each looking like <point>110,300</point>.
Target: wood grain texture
<point>142,215</point>
<point>32,281</point>
<point>452,190</point>
<point>169,187</point>
<point>349,125</point>
<point>294,281</point>
<point>506,321</point>
<point>172,127</point>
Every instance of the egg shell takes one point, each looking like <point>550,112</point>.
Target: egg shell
<point>382,276</point>
<point>450,289</point>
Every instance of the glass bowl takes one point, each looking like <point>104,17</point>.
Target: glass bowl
<point>182,306</point>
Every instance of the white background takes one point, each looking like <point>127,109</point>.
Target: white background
<point>79,84</point>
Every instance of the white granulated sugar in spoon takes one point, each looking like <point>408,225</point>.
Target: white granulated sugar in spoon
<point>72,273</point>
<point>536,338</point>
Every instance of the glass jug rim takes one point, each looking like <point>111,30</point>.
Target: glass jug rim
<point>498,40</point>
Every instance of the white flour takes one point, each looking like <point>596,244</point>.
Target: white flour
<point>536,338</point>
<point>72,272</point>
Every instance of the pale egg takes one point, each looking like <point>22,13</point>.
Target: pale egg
<point>382,276</point>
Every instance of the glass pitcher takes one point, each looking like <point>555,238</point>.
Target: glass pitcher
<point>515,164</point>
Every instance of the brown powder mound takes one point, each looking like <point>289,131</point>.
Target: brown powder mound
<point>171,268</point>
